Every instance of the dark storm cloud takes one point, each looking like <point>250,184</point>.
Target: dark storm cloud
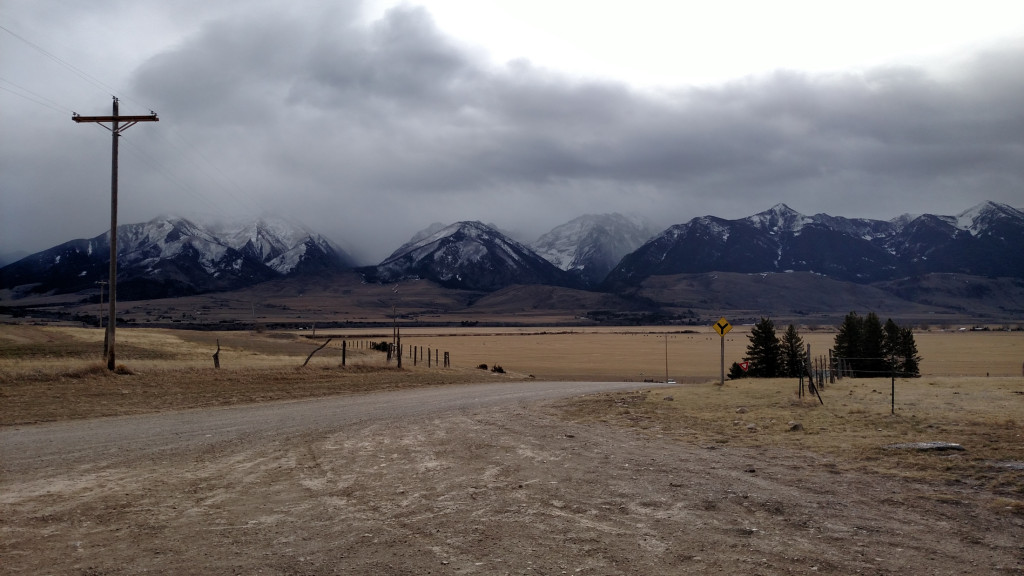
<point>416,99</point>
<point>370,132</point>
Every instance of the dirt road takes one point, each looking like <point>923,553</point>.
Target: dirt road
<point>488,479</point>
<point>110,440</point>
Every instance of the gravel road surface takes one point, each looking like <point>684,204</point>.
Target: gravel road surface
<point>472,479</point>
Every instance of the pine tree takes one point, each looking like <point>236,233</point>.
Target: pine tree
<point>793,353</point>
<point>871,349</point>
<point>891,344</point>
<point>910,361</point>
<point>848,341</point>
<point>873,357</point>
<point>764,352</point>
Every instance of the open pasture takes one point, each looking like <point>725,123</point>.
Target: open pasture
<point>642,353</point>
<point>53,372</point>
<point>714,475</point>
<point>855,426</point>
<point>686,354</point>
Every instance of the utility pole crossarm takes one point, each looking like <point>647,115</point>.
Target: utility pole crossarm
<point>119,123</point>
<point>149,118</point>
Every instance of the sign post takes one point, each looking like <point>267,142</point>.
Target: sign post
<point>723,327</point>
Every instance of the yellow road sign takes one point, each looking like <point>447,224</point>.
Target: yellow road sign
<point>722,327</point>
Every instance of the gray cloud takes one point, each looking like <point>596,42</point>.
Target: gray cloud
<point>369,133</point>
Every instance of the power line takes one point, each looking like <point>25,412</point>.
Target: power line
<point>49,103</point>
<point>187,150</point>
<point>74,69</point>
<point>36,98</point>
<point>170,176</point>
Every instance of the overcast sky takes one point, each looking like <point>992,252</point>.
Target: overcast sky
<point>368,121</point>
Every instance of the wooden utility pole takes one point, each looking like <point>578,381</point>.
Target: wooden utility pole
<point>666,357</point>
<point>118,124</point>
<point>106,334</point>
<point>101,284</point>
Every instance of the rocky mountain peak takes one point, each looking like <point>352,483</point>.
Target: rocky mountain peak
<point>469,255</point>
<point>591,245</point>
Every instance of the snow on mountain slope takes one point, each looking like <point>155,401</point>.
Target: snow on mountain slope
<point>470,255</point>
<point>984,240</point>
<point>170,256</point>
<point>986,216</point>
<point>591,245</point>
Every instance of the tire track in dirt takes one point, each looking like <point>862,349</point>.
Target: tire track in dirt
<point>496,483</point>
<point>62,444</point>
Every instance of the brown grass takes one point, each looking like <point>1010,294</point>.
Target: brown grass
<point>93,391</point>
<point>855,428</point>
<point>54,373</point>
<point>691,353</point>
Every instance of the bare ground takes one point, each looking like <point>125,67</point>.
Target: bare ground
<point>515,489</point>
<point>617,483</point>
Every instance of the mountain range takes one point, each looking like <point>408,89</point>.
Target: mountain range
<point>170,256</point>
<point>608,253</point>
<point>985,240</point>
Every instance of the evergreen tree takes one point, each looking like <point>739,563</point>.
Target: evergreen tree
<point>873,361</point>
<point>872,350</point>
<point>890,344</point>
<point>764,352</point>
<point>910,361</point>
<point>793,353</point>
<point>848,341</point>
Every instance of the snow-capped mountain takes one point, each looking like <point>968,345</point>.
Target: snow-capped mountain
<point>469,255</point>
<point>170,256</point>
<point>591,245</point>
<point>985,240</point>
<point>174,256</point>
<point>285,247</point>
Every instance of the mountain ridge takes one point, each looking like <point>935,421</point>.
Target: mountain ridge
<point>173,256</point>
<point>469,255</point>
<point>983,240</point>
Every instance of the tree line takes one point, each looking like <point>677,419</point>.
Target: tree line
<point>865,347</point>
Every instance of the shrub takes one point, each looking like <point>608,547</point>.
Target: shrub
<point>482,366</point>
<point>736,372</point>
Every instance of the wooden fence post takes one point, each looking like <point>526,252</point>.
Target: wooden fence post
<point>343,346</point>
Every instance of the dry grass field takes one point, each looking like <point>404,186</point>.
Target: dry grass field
<point>741,478</point>
<point>971,386</point>
<point>855,427</point>
<point>53,372</point>
<point>692,354</point>
<point>971,389</point>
